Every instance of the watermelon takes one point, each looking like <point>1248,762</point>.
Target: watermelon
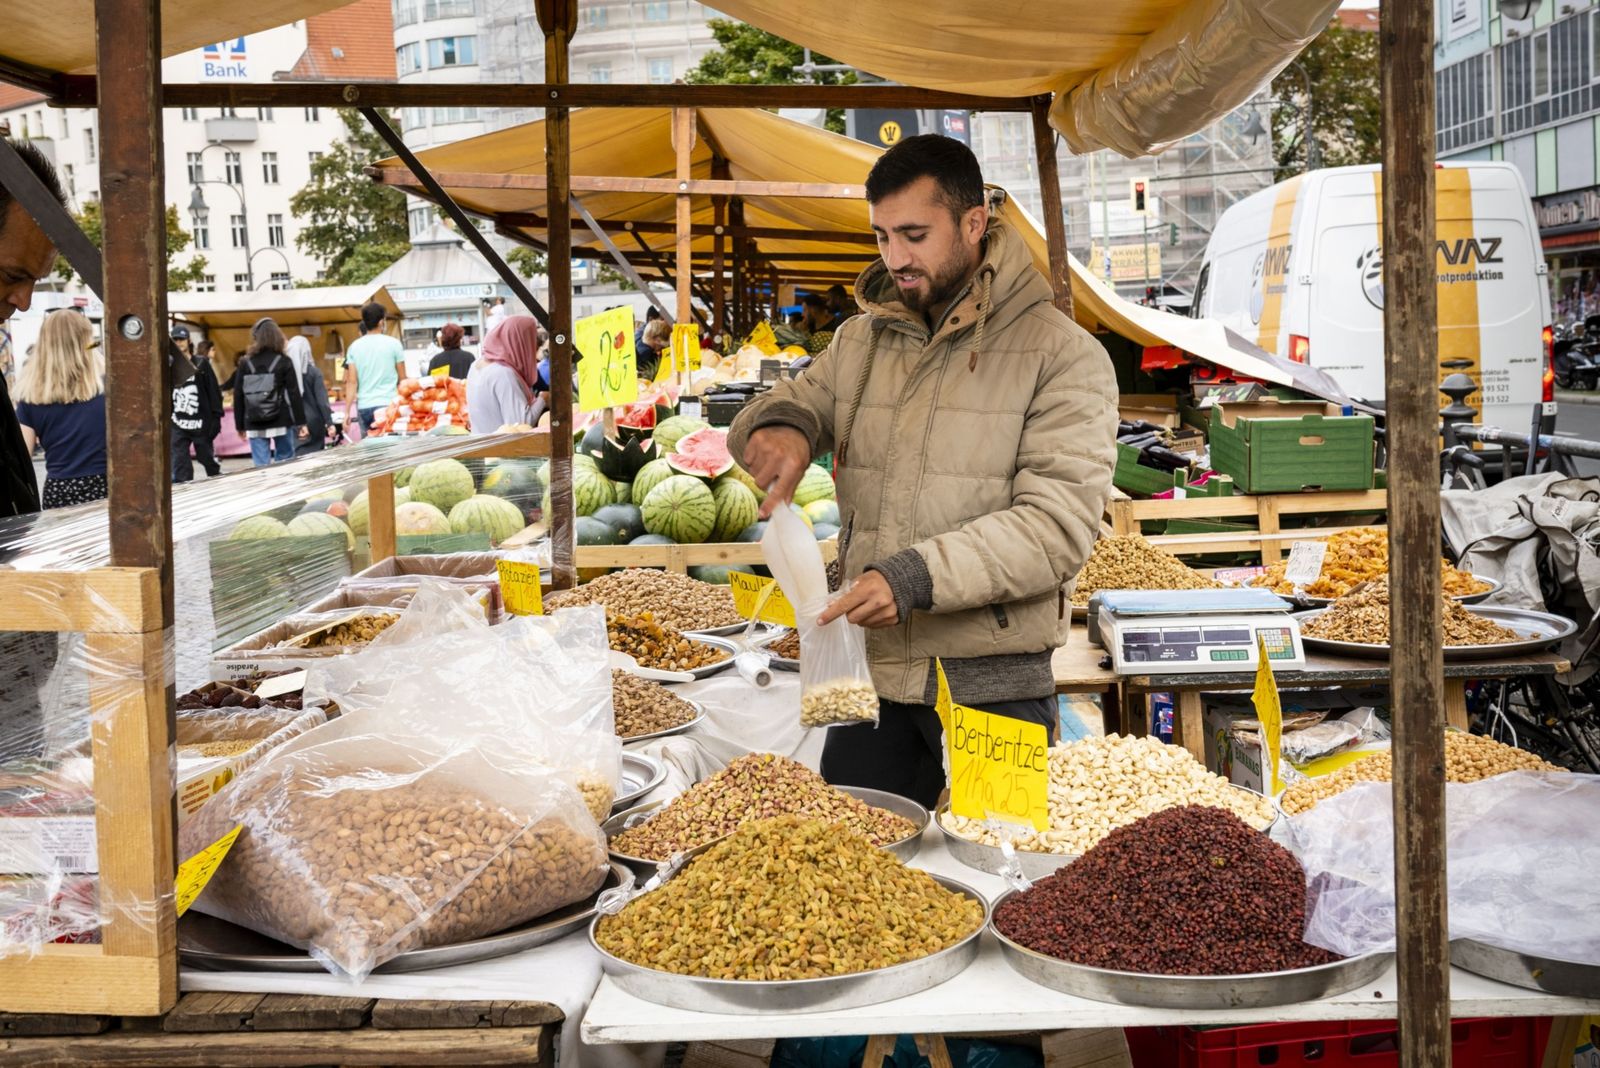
<point>402,495</point>
<point>485,513</point>
<point>752,533</point>
<point>442,483</point>
<point>402,477</point>
<point>704,453</point>
<point>449,430</point>
<point>625,519</point>
<point>418,517</point>
<point>815,485</point>
<point>338,509</point>
<point>512,479</point>
<point>358,517</point>
<point>578,460</point>
<point>352,492</point>
<point>824,531</point>
<point>736,509</point>
<point>823,512</point>
<point>801,512</point>
<point>649,477</point>
<point>682,509</point>
<point>591,531</point>
<point>740,475</point>
<point>593,440</point>
<point>259,526</point>
<point>624,492</point>
<point>716,575</point>
<point>591,491</point>
<point>668,432</point>
<point>314,524</point>
<point>623,459</point>
<point>652,539</point>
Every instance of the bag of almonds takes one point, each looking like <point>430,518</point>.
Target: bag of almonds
<point>359,848</point>
<point>835,679</point>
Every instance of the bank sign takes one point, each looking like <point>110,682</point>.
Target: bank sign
<point>225,61</point>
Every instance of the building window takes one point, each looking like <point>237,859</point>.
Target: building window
<point>446,9</point>
<point>1546,78</point>
<point>202,232</point>
<point>269,168</point>
<point>600,73</point>
<point>232,168</point>
<point>275,231</point>
<point>405,12</point>
<point>452,52</point>
<point>311,159</point>
<point>1464,104</point>
<point>660,71</point>
<point>280,280</point>
<point>1016,138</point>
<point>241,235</point>
<point>408,58</point>
<point>206,284</point>
<point>197,168</point>
<point>88,143</point>
<point>657,12</point>
<point>313,114</point>
<point>413,118</point>
<point>446,116</point>
<point>191,114</point>
<point>70,175</point>
<point>264,114</point>
<point>228,113</point>
<point>241,283</point>
<point>421,219</point>
<point>596,18</point>
<point>1541,66</point>
<point>66,130</point>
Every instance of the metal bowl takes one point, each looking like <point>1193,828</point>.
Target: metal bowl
<point>729,631</point>
<point>1553,975</point>
<point>640,775</point>
<point>217,945</point>
<point>1541,630</point>
<point>1307,601</point>
<point>833,993</point>
<point>1196,993</point>
<point>726,662</point>
<point>700,715</point>
<point>781,663</point>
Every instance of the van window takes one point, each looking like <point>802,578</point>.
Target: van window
<point>1196,309</point>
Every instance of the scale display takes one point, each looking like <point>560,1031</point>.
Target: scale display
<point>1172,645</point>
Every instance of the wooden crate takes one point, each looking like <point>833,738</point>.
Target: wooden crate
<point>1269,539</point>
<point>134,969</point>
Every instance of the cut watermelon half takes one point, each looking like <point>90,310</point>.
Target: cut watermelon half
<point>703,453</point>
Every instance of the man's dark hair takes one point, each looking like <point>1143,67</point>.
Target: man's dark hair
<point>372,316</point>
<point>814,300</point>
<point>41,166</point>
<point>652,313</point>
<point>944,159</point>
<point>836,290</point>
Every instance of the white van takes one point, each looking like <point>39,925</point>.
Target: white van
<point>1298,269</point>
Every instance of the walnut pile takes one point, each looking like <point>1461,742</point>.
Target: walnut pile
<point>1128,562</point>
<point>1363,616</point>
<point>1357,556</point>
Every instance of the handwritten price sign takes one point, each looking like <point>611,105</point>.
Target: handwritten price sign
<point>998,765</point>
<point>747,590</point>
<point>519,588</point>
<point>608,374</point>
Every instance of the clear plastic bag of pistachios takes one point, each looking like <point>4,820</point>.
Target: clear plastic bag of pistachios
<point>835,679</point>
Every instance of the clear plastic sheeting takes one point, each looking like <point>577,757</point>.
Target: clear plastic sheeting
<point>1521,861</point>
<point>1207,59</point>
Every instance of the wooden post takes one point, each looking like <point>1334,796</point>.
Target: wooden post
<point>683,134</point>
<point>381,540</point>
<point>719,280</point>
<point>558,18</point>
<point>772,275</point>
<point>1055,224</point>
<point>1416,660</point>
<point>736,221</point>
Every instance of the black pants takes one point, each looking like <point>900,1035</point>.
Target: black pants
<point>904,753</point>
<point>182,466</point>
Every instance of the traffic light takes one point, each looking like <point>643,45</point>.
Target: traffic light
<point>1174,239</point>
<point>1137,195</point>
<point>1150,295</point>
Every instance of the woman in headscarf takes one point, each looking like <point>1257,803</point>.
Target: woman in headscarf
<point>313,395</point>
<point>501,387</point>
<point>451,354</point>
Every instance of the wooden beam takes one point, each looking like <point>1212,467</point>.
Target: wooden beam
<point>1410,322</point>
<point>559,19</point>
<point>610,249</point>
<point>719,215</point>
<point>38,79</point>
<point>405,179</point>
<point>1055,224</point>
<point>683,150</point>
<point>79,91</point>
<point>105,600</point>
<point>625,226</point>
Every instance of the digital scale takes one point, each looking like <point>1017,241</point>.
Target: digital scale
<point>1188,631</point>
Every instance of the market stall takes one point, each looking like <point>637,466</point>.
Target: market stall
<point>329,317</point>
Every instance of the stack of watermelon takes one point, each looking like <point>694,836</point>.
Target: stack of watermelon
<point>424,404</point>
<point>449,497</point>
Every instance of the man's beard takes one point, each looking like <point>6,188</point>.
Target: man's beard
<point>943,285</point>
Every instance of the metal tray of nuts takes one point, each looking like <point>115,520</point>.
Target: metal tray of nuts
<point>782,663</point>
<point>640,775</point>
<point>1541,630</point>
<point>724,632</point>
<point>700,715</point>
<point>709,670</point>
<point>217,945</point>
<point>1305,600</point>
<point>1193,992</point>
<point>1553,975</point>
<point>906,848</point>
<point>832,993</point>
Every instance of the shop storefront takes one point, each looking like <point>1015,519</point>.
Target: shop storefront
<point>1569,229</point>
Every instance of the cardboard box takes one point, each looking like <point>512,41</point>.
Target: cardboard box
<point>1160,409</point>
<point>263,650</point>
<point>399,595</point>
<point>1239,763</point>
<point>470,569</point>
<point>1267,448</point>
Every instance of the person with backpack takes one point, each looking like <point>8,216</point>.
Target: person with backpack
<point>266,396</point>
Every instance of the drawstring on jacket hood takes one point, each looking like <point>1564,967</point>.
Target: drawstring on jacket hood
<point>986,272</point>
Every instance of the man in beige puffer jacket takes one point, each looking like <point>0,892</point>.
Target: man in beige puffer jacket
<point>973,427</point>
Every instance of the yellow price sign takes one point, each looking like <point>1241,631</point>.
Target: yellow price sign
<point>440,372</point>
<point>608,373</point>
<point>764,339</point>
<point>194,873</point>
<point>519,588</point>
<point>1269,710</point>
<point>686,346</point>
<point>998,765</point>
<point>748,591</point>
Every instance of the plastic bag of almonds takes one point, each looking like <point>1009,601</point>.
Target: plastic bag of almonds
<point>359,849</point>
<point>835,679</point>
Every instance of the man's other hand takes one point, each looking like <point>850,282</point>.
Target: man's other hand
<point>776,457</point>
<point>869,602</point>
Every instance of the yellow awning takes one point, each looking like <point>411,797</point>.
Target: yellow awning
<point>315,313</point>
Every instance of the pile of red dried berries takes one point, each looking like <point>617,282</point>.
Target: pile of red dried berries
<point>1187,891</point>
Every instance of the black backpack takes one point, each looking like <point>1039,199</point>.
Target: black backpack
<point>263,400</point>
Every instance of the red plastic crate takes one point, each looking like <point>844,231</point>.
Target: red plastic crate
<point>1516,1042</point>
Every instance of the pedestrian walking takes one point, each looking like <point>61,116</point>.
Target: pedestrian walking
<point>61,405</point>
<point>451,355</point>
<point>313,396</point>
<point>373,369</point>
<point>196,412</point>
<point>266,399</point>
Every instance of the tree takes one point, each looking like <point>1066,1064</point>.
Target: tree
<point>528,261</point>
<point>1341,70</point>
<point>749,56</point>
<point>92,222</point>
<point>355,226</point>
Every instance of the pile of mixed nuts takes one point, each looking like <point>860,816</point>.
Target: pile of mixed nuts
<point>645,707</point>
<point>655,646</point>
<point>674,600</point>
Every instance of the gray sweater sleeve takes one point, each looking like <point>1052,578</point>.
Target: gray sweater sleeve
<point>495,398</point>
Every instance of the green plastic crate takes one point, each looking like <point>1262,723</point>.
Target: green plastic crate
<point>1287,455</point>
<point>1133,478</point>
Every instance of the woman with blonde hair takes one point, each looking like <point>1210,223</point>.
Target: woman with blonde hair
<point>61,404</point>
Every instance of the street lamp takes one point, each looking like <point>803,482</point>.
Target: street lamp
<point>198,208</point>
<point>1518,9</point>
<point>1254,128</point>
